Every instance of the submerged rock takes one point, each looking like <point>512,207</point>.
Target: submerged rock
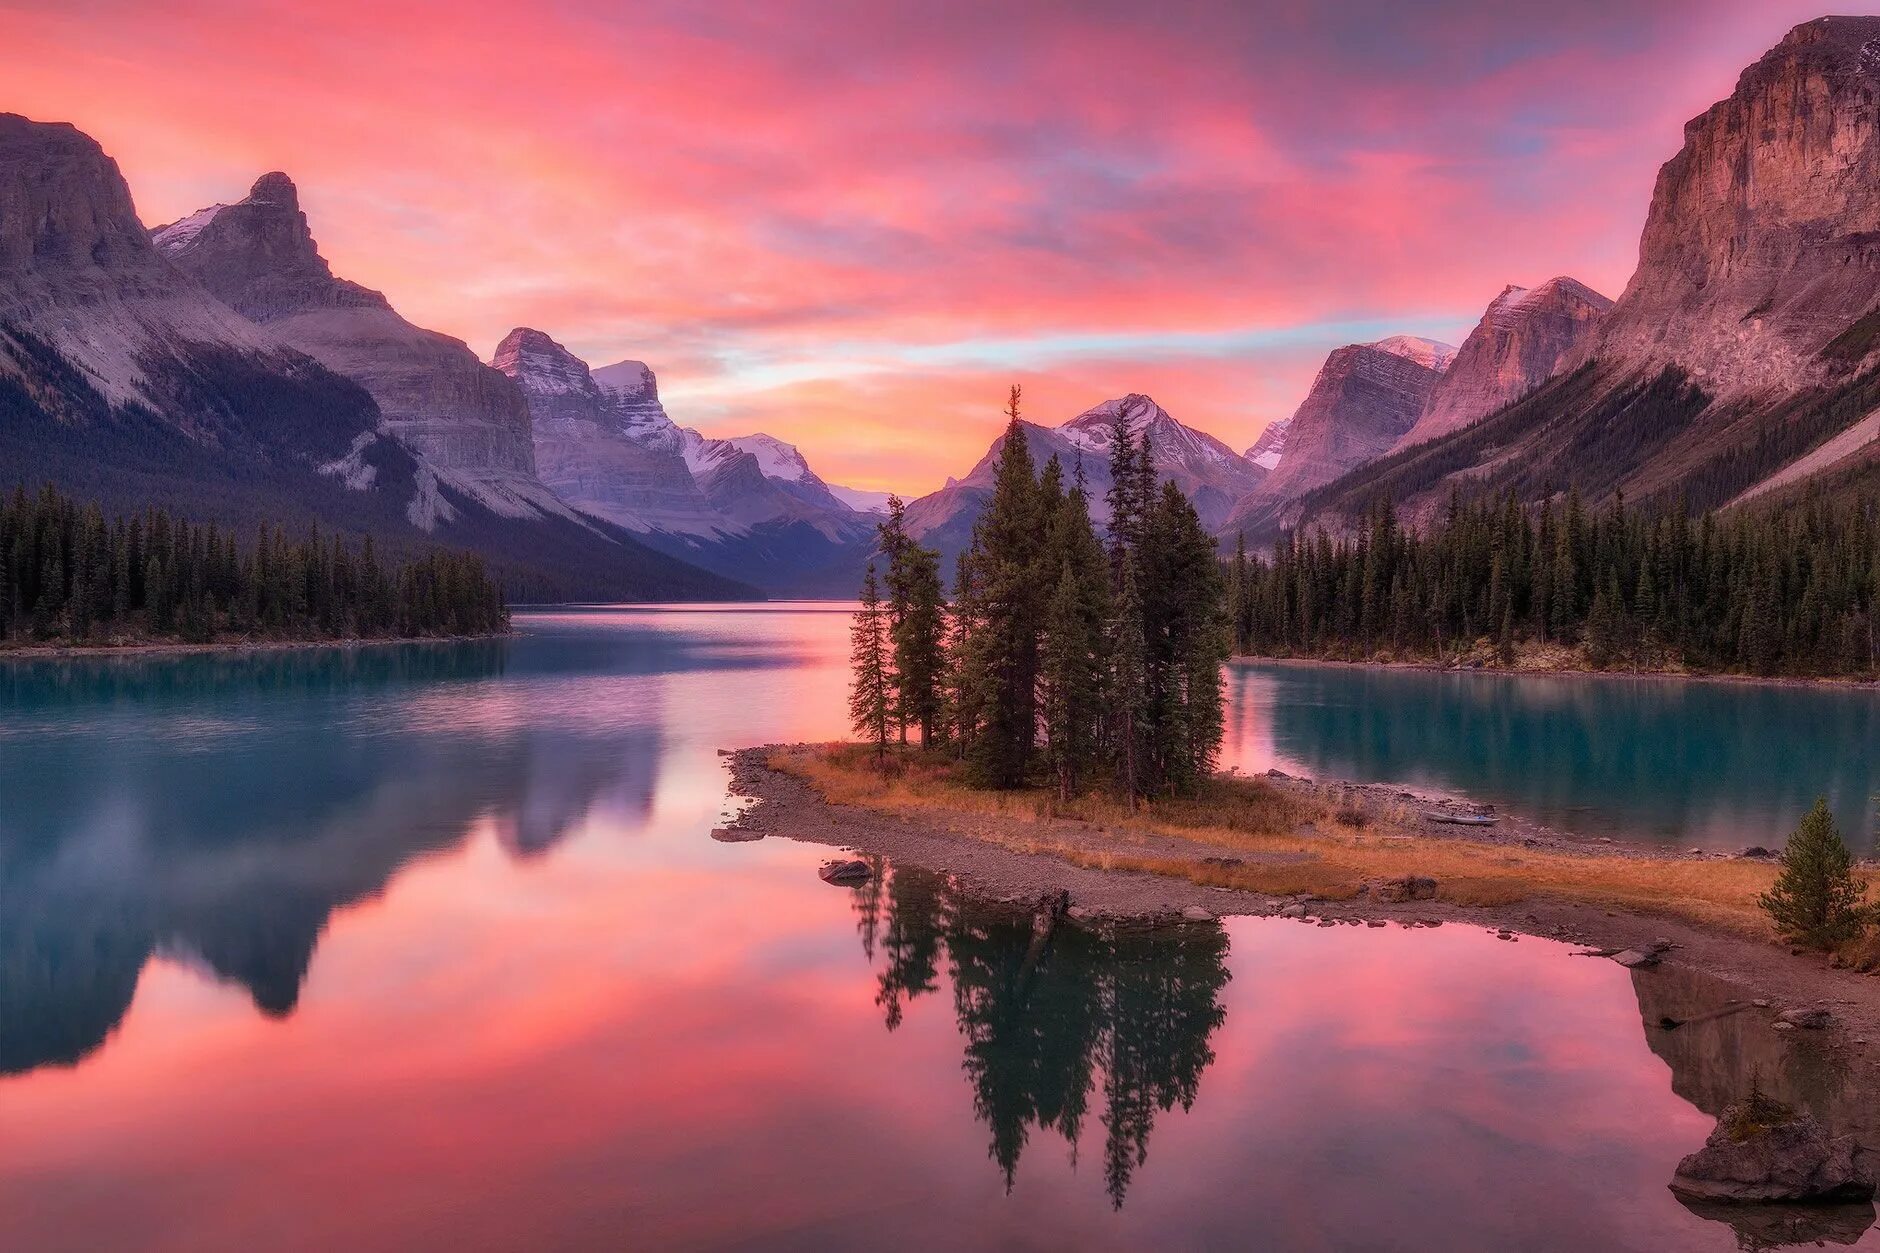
<point>1814,1019</point>
<point>735,835</point>
<point>1761,1150</point>
<point>846,871</point>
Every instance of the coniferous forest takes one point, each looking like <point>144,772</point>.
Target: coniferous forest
<point>1059,657</point>
<point>1793,590</point>
<point>70,575</point>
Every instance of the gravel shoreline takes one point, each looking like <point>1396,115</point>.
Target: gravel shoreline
<point>782,805</point>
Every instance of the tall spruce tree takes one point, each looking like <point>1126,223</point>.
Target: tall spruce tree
<point>916,628</point>
<point>1007,547</point>
<point>1072,661</point>
<point>871,698</point>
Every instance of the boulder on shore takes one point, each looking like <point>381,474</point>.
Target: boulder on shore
<point>1404,888</point>
<point>1761,1151</point>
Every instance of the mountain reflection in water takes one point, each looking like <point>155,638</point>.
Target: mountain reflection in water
<point>1719,1048</point>
<point>430,947</point>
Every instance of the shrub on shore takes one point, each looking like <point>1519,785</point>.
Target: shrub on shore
<point>1816,901</point>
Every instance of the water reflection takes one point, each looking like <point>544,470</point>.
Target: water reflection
<point>227,845</point>
<point>1719,1048</point>
<point>1052,1017</point>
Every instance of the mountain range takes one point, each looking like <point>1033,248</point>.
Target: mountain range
<point>218,366</point>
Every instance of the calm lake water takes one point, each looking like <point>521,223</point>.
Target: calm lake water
<point>429,947</point>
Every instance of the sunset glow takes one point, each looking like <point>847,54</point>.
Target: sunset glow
<point>851,225</point>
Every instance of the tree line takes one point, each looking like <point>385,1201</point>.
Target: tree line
<point>1059,655</point>
<point>69,574</point>
<point>1788,591</point>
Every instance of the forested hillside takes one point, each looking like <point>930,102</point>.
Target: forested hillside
<point>1792,588</point>
<point>69,575</point>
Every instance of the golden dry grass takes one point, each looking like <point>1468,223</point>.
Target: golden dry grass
<point>1329,848</point>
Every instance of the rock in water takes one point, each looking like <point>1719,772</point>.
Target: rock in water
<point>1195,913</point>
<point>846,872</point>
<point>1813,1018</point>
<point>1761,1150</point>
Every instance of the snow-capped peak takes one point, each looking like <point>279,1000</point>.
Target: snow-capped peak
<point>182,233</point>
<point>1271,445</point>
<point>1430,353</point>
<point>775,458</point>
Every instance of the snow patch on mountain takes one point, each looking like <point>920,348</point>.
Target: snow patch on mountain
<point>1430,353</point>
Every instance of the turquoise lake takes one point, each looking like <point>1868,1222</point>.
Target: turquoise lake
<point>428,946</point>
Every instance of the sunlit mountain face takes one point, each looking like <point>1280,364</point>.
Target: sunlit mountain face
<point>852,230</point>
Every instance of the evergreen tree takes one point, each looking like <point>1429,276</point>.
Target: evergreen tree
<point>870,696</point>
<point>1816,901</point>
<point>1009,609</point>
<point>1129,683</point>
<point>916,627</point>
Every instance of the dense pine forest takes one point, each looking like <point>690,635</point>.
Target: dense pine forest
<point>70,575</point>
<point>1059,656</point>
<point>1793,590</point>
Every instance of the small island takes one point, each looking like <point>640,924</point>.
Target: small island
<point>72,580</point>
<point>1049,734</point>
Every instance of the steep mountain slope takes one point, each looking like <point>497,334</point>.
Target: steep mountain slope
<point>603,450</point>
<point>749,508</point>
<point>258,256</point>
<point>122,378</point>
<point>1210,473</point>
<point>1523,337</point>
<point>1746,340</point>
<point>1365,398</point>
<point>1271,446</point>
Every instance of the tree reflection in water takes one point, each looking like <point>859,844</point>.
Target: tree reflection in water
<point>1048,1020</point>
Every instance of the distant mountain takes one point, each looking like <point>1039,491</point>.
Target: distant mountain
<point>1365,398</point>
<point>861,500</point>
<point>748,507</point>
<point>1519,344</point>
<point>1212,475</point>
<point>1742,357</point>
<point>1271,446</point>
<point>124,378</point>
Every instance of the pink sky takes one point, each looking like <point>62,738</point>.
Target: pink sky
<point>851,225</point>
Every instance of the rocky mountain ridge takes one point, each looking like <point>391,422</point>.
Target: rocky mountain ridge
<point>1522,339</point>
<point>1212,475</point>
<point>604,442</point>
<point>258,256</point>
<point>1364,399</point>
<point>124,378</point>
<point>1740,359</point>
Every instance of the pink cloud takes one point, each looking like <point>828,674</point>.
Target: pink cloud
<point>704,186</point>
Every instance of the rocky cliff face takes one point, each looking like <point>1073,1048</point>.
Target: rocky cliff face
<point>129,381</point>
<point>1522,340</point>
<point>468,421</point>
<point>78,271</point>
<point>605,451</point>
<point>748,507</point>
<point>1366,397</point>
<point>1738,357</point>
<point>1271,446</point>
<point>1762,245</point>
